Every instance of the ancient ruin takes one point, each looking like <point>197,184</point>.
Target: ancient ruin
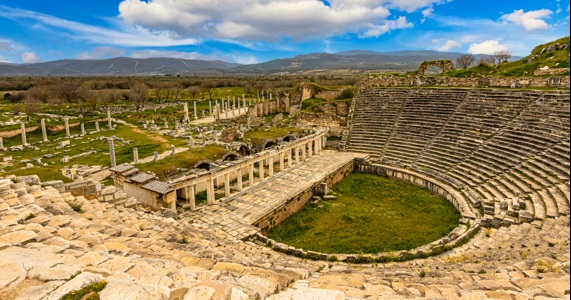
<point>188,218</point>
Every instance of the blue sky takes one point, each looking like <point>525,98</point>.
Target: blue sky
<point>250,31</point>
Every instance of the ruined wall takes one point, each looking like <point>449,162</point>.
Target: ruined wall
<point>499,82</point>
<point>445,65</point>
<point>298,202</point>
<point>330,115</point>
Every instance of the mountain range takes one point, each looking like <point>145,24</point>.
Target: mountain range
<point>354,61</point>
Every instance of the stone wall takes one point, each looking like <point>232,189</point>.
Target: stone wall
<point>499,82</point>
<point>298,202</point>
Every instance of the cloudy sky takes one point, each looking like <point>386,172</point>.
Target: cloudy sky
<point>250,31</point>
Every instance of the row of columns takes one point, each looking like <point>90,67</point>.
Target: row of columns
<point>294,155</point>
<point>66,126</point>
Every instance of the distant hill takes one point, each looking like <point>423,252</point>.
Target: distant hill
<point>116,66</point>
<point>552,56</point>
<point>356,60</point>
<point>350,60</point>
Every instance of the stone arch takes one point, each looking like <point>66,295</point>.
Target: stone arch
<point>445,65</point>
<point>244,150</point>
<point>289,138</point>
<point>269,144</point>
<point>231,156</point>
<point>204,165</point>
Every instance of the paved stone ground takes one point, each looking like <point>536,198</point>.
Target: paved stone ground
<point>48,250</point>
<point>235,215</point>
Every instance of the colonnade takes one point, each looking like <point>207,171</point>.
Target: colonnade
<point>244,171</point>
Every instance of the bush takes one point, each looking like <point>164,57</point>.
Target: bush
<point>347,93</point>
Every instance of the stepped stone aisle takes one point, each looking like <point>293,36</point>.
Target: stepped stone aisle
<point>235,215</point>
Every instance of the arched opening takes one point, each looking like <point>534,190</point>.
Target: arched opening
<point>231,156</point>
<point>288,138</point>
<point>244,151</point>
<point>269,145</point>
<point>204,165</point>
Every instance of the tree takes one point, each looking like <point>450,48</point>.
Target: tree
<point>31,105</point>
<point>194,91</point>
<point>501,56</point>
<point>139,94</point>
<point>464,61</point>
<point>209,87</point>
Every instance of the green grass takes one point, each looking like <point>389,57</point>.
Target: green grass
<point>371,215</point>
<point>187,159</point>
<point>146,142</point>
<point>260,135</point>
<point>91,290</point>
<point>554,59</point>
<point>310,105</point>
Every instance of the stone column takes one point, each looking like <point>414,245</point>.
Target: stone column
<point>23,128</point>
<point>83,129</point>
<point>109,121</point>
<point>173,150</point>
<point>156,156</point>
<point>271,164</point>
<point>66,124</point>
<point>136,156</point>
<point>310,149</point>
<point>262,175</point>
<point>251,175</point>
<point>195,111</point>
<point>191,141</point>
<point>186,116</point>
<point>44,131</point>
<point>227,185</point>
<point>304,152</point>
<point>216,136</point>
<point>112,153</point>
<point>97,126</point>
<point>239,178</point>
<point>211,196</point>
<point>297,155</point>
<point>210,107</point>
<point>289,158</point>
<point>1,143</point>
<point>282,162</point>
<point>191,194</point>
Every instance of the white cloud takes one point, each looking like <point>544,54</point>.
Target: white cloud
<point>449,45</point>
<point>30,58</point>
<point>531,20</point>
<point>390,25</point>
<point>170,54</point>
<point>129,36</point>
<point>252,20</point>
<point>101,53</point>
<point>414,5</point>
<point>6,46</point>
<point>427,13</point>
<point>487,47</point>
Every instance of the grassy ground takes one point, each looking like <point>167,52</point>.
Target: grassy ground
<point>147,143</point>
<point>310,105</point>
<point>260,135</point>
<point>371,215</point>
<point>187,160</point>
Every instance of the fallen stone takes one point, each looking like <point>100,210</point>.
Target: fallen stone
<point>124,290</point>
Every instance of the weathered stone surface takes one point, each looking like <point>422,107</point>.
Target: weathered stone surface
<point>309,294</point>
<point>11,274</point>
<point>80,281</point>
<point>262,286</point>
<point>200,293</point>
<point>38,292</point>
<point>123,290</point>
<point>59,272</point>
<point>19,237</point>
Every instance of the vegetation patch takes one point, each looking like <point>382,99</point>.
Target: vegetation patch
<point>371,214</point>
<point>90,292</point>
